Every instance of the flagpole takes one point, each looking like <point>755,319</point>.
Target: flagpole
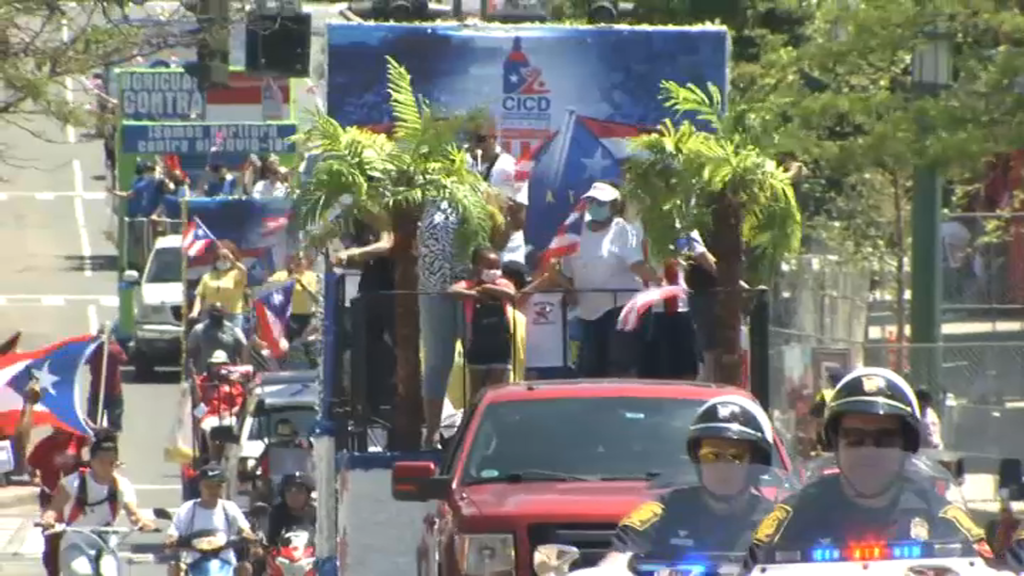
<point>184,292</point>
<point>100,411</point>
<point>563,148</point>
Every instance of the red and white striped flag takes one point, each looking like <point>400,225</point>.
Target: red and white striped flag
<point>197,239</point>
<point>565,242</point>
<point>629,318</point>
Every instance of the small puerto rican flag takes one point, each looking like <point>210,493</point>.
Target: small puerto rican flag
<point>272,310</point>
<point>566,241</point>
<point>197,239</point>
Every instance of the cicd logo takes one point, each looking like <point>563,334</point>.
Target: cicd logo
<point>524,88</point>
<point>543,313</point>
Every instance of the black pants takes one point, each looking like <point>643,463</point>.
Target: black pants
<point>670,350</point>
<point>113,407</point>
<point>380,352</point>
<point>604,350</point>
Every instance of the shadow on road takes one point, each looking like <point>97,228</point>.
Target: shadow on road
<point>105,263</point>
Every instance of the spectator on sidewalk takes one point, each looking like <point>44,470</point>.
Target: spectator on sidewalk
<point>113,398</point>
<point>931,426</point>
<point>53,458</point>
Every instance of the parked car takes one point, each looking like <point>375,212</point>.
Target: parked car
<point>555,462</point>
<point>158,307</point>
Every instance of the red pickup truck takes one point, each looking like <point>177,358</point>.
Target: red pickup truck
<point>552,462</point>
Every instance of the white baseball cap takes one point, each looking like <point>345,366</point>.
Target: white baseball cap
<point>602,192</point>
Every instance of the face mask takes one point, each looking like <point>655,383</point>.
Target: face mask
<point>870,471</point>
<point>490,275</point>
<point>599,212</point>
<point>223,265</point>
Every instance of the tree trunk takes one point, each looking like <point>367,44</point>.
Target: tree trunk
<point>408,408</point>
<point>727,240</point>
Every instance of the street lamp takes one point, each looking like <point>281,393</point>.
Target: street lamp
<point>931,72</point>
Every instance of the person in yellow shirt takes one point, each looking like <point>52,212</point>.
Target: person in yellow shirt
<point>305,296</point>
<point>227,284</point>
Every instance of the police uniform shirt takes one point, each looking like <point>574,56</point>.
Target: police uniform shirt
<point>682,520</point>
<point>821,513</point>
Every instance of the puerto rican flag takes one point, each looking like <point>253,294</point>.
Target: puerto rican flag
<point>566,240</point>
<point>629,318</point>
<point>56,369</point>
<point>272,310</point>
<point>197,239</point>
<point>562,169</point>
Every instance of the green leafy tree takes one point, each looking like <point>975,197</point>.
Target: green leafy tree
<point>747,199</point>
<point>391,180</point>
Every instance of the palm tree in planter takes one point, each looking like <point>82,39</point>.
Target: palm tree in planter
<point>389,180</point>
<point>705,173</point>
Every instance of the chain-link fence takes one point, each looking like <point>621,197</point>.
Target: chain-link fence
<point>982,262</point>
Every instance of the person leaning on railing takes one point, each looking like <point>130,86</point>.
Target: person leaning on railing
<point>139,204</point>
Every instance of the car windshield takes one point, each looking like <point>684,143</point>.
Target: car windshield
<point>264,424</point>
<point>618,438</point>
<point>164,266</point>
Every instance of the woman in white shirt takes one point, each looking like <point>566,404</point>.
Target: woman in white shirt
<point>605,272</point>
<point>271,183</point>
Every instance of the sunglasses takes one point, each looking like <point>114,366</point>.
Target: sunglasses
<point>860,438</point>
<point>717,456</point>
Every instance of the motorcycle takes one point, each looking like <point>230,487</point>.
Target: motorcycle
<point>293,555</point>
<point>208,544</point>
<point>88,550</point>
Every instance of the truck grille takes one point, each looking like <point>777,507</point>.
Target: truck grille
<point>592,540</point>
<point>176,313</point>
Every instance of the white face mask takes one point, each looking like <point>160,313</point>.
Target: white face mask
<point>222,265</point>
<point>490,275</point>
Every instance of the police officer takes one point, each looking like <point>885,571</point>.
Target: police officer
<point>872,424</point>
<point>730,442</point>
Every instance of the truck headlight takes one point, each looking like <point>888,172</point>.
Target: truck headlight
<point>554,559</point>
<point>486,554</point>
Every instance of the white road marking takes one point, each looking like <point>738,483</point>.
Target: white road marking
<point>69,130</point>
<point>45,196</point>
<point>94,195</point>
<point>83,233</point>
<point>110,301</point>
<point>3,196</point>
<point>52,301</point>
<point>94,319</point>
<point>60,296</point>
<point>3,301</point>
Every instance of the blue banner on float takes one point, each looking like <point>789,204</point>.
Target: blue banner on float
<point>184,139</point>
<point>565,100</point>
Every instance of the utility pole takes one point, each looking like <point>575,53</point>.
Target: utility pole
<point>932,71</point>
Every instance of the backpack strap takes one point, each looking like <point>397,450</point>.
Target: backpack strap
<point>81,500</point>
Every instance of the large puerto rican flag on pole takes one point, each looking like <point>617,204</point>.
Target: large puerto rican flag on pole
<point>585,150</point>
<point>56,369</point>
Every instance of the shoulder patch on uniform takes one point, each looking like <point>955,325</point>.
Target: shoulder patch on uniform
<point>963,521</point>
<point>644,515</point>
<point>771,526</point>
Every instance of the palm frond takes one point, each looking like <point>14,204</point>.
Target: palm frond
<point>405,106</point>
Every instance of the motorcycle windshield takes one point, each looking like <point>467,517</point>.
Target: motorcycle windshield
<point>870,505</point>
<point>703,518</point>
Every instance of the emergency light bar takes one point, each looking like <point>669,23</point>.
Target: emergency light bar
<point>866,552</point>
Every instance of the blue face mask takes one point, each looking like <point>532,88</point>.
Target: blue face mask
<point>599,212</point>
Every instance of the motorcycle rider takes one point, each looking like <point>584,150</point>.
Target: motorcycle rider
<point>210,512</point>
<point>93,496</point>
<point>872,423</point>
<point>295,509</point>
<point>730,437</point>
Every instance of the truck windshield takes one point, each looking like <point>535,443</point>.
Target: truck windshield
<point>572,439</point>
<point>164,266</point>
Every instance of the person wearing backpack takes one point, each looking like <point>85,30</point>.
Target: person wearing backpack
<point>93,496</point>
<point>210,512</point>
<point>488,299</point>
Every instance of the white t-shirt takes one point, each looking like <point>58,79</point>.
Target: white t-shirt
<point>545,333</point>
<point>268,189</point>
<point>100,514</point>
<point>602,262</point>
<point>503,177</point>
<point>226,517</point>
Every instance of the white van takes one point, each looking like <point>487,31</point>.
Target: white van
<point>159,307</point>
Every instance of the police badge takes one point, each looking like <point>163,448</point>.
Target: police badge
<point>872,384</point>
<point>919,529</point>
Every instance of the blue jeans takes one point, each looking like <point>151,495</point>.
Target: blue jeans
<point>440,325</point>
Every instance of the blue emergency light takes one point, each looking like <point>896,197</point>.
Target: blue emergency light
<point>866,552</point>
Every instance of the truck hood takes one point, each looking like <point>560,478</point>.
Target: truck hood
<point>168,293</point>
<point>554,501</point>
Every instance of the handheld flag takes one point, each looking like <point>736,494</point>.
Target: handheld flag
<point>272,310</point>
<point>566,240</point>
<point>197,239</point>
<point>629,318</point>
<point>55,368</point>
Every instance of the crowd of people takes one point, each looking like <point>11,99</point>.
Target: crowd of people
<point>482,302</point>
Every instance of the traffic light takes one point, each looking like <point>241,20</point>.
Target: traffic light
<point>608,11</point>
<point>213,45</point>
<point>400,10</point>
